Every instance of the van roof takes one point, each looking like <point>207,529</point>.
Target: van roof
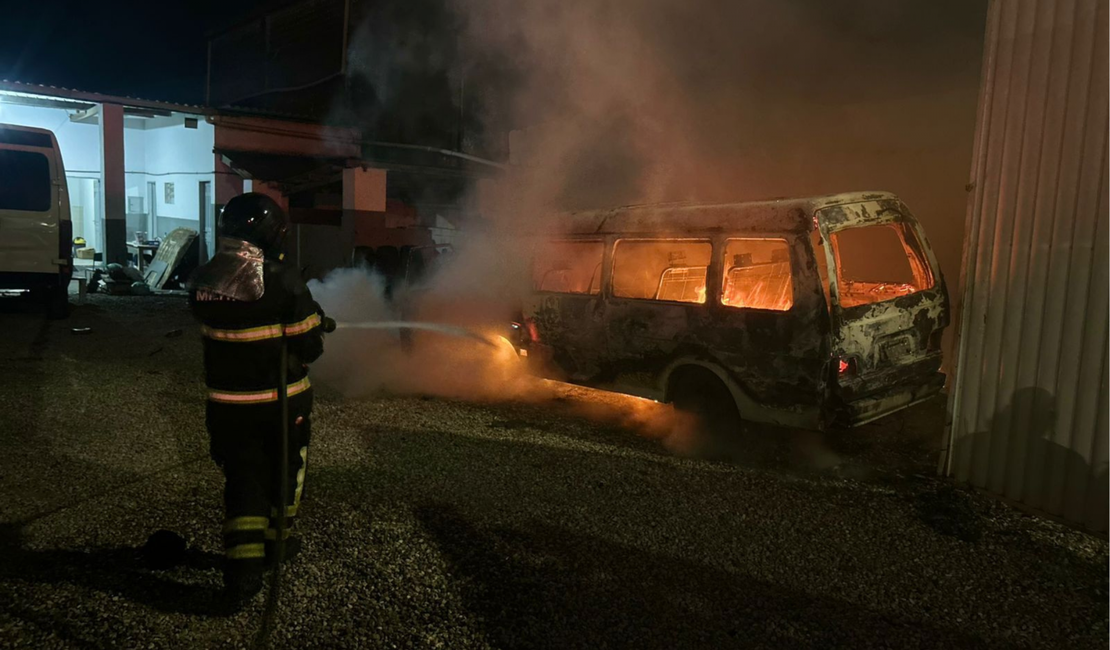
<point>772,216</point>
<point>27,136</point>
<point>32,129</point>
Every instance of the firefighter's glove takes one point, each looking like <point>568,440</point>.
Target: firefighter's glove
<point>327,324</point>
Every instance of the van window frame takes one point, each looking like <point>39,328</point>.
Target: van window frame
<point>712,294</point>
<point>605,246</point>
<point>898,217</point>
<point>914,259</point>
<point>48,155</point>
<point>12,138</point>
<point>720,256</point>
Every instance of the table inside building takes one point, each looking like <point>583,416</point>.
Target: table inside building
<point>141,249</point>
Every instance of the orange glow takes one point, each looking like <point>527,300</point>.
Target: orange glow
<point>844,366</point>
<point>766,287</point>
<point>682,284</point>
<point>568,267</point>
<point>878,263</point>
<point>757,275</point>
<point>853,294</point>
<point>675,430</point>
<point>673,270</point>
<point>506,351</point>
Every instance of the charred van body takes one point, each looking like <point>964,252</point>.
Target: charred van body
<point>813,313</point>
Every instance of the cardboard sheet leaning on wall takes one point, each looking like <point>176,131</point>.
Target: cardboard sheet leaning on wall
<point>173,251</point>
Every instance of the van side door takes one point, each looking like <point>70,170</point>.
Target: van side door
<point>657,301</point>
<point>566,307</point>
<point>29,200</point>
<point>770,327</point>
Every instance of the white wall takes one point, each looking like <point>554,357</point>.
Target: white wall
<point>134,158</point>
<point>160,150</point>
<point>80,143</point>
<point>164,151</point>
<point>85,210</point>
<point>183,157</point>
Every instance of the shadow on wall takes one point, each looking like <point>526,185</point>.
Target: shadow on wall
<point>1026,462</point>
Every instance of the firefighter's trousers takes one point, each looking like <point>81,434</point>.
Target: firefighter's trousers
<point>246,443</point>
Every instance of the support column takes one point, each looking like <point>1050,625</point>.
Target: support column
<point>113,187</point>
<point>229,184</point>
<point>363,191</point>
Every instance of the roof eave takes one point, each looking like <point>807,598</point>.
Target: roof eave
<point>99,98</point>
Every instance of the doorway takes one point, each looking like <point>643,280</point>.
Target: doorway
<point>152,210</point>
<point>206,212</point>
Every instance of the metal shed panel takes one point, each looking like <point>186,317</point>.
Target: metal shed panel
<point>1029,405</point>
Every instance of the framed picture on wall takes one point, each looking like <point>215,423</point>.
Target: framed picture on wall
<point>169,193</point>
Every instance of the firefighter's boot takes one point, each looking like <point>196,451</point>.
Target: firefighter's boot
<point>239,591</point>
<point>244,541</point>
<point>292,549</point>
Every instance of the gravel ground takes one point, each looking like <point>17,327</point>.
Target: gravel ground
<point>432,523</point>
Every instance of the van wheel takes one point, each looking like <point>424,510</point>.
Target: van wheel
<point>709,407</point>
<point>57,302</point>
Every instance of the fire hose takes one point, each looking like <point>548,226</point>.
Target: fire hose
<point>327,325</point>
<point>449,330</point>
<point>283,492</point>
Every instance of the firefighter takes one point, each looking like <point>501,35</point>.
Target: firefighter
<point>247,300</point>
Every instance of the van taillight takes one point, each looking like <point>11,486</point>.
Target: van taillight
<point>65,239</point>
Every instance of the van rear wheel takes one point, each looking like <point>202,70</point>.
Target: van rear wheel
<point>709,408</point>
<point>57,302</point>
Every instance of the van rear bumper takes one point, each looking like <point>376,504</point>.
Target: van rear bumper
<point>24,280</point>
<point>874,406</point>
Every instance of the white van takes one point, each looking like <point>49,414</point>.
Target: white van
<point>36,234</point>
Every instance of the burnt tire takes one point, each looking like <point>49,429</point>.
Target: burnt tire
<point>711,409</point>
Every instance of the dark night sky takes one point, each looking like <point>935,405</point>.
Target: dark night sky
<point>153,50</point>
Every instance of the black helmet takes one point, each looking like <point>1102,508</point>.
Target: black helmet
<point>255,218</point>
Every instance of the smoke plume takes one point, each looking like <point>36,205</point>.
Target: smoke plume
<point>610,102</point>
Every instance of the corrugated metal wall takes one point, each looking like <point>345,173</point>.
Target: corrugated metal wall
<point>1029,405</point>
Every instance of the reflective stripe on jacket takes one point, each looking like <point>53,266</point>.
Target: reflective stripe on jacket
<point>261,333</point>
<point>243,338</point>
<point>258,396</point>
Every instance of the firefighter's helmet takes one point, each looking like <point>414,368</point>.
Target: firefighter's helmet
<point>255,218</point>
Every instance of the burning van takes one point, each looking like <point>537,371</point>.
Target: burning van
<point>812,313</point>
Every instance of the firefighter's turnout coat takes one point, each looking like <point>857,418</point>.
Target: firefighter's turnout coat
<point>246,304</point>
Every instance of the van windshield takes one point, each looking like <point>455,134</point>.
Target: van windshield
<point>877,263</point>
